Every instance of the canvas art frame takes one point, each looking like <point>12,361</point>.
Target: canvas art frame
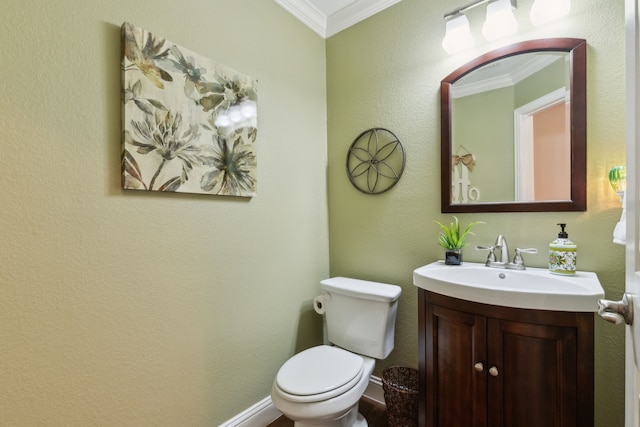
<point>189,124</point>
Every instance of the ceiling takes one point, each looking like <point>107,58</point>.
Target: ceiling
<point>329,17</point>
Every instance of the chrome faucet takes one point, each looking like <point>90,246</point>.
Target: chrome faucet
<point>501,243</point>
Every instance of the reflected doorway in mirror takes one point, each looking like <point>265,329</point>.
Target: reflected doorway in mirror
<point>543,148</point>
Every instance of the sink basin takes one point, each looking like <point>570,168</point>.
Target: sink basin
<point>533,288</point>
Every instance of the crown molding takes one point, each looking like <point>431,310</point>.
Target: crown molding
<point>327,26</point>
<point>513,77</point>
<point>357,11</point>
<point>307,14</point>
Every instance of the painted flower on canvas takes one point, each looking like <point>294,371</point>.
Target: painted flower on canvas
<point>190,125</point>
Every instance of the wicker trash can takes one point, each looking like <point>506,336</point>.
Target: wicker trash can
<point>400,386</point>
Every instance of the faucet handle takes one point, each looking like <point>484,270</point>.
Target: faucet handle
<point>518,260</point>
<point>492,256</point>
<point>526,251</point>
<point>483,248</point>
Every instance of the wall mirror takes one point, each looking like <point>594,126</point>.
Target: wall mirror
<point>514,130</point>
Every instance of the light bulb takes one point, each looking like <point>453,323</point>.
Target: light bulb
<point>544,11</point>
<point>458,34</point>
<point>500,20</point>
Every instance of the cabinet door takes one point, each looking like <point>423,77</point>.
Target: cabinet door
<point>456,379</point>
<point>534,380</point>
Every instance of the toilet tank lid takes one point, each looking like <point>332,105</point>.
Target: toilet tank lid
<point>362,288</point>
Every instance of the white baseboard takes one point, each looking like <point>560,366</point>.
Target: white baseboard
<point>261,414</point>
<point>374,390</point>
<point>264,413</point>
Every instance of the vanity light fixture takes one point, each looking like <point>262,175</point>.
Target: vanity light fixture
<point>544,11</point>
<point>458,34</point>
<point>500,20</point>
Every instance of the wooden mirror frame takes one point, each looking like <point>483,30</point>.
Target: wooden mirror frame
<point>577,49</point>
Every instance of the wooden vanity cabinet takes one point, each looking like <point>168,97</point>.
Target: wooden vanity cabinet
<point>491,366</point>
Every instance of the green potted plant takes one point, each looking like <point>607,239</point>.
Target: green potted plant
<point>452,239</point>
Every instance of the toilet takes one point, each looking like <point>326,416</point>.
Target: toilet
<point>321,386</point>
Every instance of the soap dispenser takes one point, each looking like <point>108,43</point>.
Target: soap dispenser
<point>562,254</point>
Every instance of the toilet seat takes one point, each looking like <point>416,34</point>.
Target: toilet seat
<point>319,373</point>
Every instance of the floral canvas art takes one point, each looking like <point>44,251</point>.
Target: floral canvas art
<point>189,124</point>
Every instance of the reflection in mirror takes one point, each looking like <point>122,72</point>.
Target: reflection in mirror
<point>514,130</point>
<point>512,114</point>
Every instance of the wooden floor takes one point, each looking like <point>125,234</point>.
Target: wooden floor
<point>374,412</point>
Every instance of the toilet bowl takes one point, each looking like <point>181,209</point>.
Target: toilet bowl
<point>322,386</point>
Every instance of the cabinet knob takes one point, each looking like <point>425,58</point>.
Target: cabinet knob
<point>493,371</point>
<point>478,367</point>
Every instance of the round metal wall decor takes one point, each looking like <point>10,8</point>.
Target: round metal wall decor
<point>375,161</point>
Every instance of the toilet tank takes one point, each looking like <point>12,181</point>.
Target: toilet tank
<point>361,315</point>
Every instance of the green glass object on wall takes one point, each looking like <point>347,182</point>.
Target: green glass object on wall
<point>618,179</point>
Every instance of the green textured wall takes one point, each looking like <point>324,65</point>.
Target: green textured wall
<point>543,82</point>
<point>125,308</point>
<point>386,72</point>
<point>122,308</point>
<point>487,131</point>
